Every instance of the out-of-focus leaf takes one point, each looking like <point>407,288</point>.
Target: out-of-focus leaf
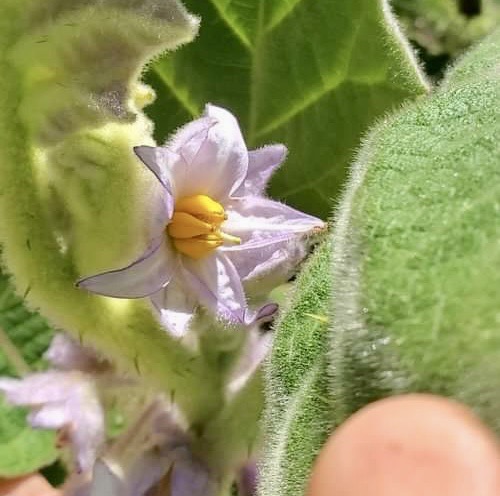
<point>313,74</point>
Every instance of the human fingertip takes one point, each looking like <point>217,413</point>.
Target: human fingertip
<point>409,445</point>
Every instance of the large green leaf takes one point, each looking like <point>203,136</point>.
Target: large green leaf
<point>24,337</point>
<point>416,253</point>
<point>298,414</point>
<point>313,74</point>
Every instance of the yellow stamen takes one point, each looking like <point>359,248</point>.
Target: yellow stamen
<point>203,207</point>
<point>195,226</point>
<point>196,247</point>
<point>184,226</point>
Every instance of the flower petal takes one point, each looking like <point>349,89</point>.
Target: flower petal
<point>157,160</point>
<point>262,268</point>
<point>51,416</point>
<point>264,314</point>
<point>217,285</point>
<point>145,276</point>
<point>254,351</point>
<point>62,399</point>
<point>262,163</point>
<point>215,157</point>
<point>36,389</point>
<point>274,240</point>
<point>190,478</point>
<point>255,219</point>
<point>175,307</point>
<point>65,353</point>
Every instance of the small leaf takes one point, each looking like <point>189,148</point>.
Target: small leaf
<point>312,74</point>
<point>23,449</point>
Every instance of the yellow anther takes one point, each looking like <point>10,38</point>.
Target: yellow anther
<point>197,247</point>
<point>195,226</point>
<point>186,226</point>
<point>203,207</point>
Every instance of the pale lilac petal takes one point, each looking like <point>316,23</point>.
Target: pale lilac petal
<point>156,159</point>
<point>36,389</point>
<point>215,157</point>
<point>262,164</point>
<point>188,139</point>
<point>65,353</point>
<point>51,416</point>
<point>87,426</point>
<point>190,478</point>
<point>66,400</point>
<point>145,276</point>
<point>255,350</point>
<point>255,219</point>
<point>175,307</point>
<point>159,161</point>
<point>275,239</point>
<point>264,314</point>
<point>248,479</point>
<point>146,472</point>
<point>217,286</point>
<point>263,268</point>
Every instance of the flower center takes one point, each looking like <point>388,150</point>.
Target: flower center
<point>195,227</point>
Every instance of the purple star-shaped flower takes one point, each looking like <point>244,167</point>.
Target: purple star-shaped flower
<point>63,401</point>
<point>215,231</point>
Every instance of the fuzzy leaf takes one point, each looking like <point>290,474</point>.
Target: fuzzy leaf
<point>313,74</point>
<point>298,417</point>
<point>415,292</point>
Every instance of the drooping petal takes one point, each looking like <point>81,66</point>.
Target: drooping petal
<point>215,157</point>
<point>217,286</point>
<point>264,314</point>
<point>145,276</point>
<point>262,268</point>
<point>262,163</point>
<point>175,307</point>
